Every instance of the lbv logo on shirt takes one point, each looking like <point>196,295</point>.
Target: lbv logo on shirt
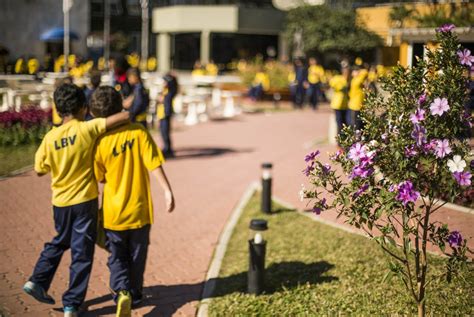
<point>123,147</point>
<point>64,142</point>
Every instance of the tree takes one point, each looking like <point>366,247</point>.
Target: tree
<point>411,151</point>
<point>399,14</point>
<point>326,29</point>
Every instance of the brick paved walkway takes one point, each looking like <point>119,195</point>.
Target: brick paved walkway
<point>216,162</point>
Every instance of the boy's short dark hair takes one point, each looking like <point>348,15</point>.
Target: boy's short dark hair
<point>69,99</point>
<point>95,79</point>
<point>134,71</point>
<point>105,102</point>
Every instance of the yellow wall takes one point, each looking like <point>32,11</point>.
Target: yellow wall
<point>403,54</point>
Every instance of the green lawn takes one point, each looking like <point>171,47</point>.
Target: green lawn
<point>13,158</point>
<point>314,269</point>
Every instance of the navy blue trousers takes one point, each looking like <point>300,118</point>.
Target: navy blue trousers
<point>128,251</point>
<point>256,92</point>
<point>165,129</point>
<point>314,92</point>
<point>76,228</point>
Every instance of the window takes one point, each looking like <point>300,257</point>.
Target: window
<point>134,7</point>
<point>116,7</point>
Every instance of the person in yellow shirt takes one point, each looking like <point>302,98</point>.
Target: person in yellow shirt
<point>260,84</point>
<point>212,69</point>
<point>198,69</point>
<point>123,159</point>
<point>356,96</point>
<point>315,81</point>
<point>67,153</point>
<point>340,85</point>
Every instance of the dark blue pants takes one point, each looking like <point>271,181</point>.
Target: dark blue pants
<point>128,251</point>
<point>165,129</point>
<point>299,95</point>
<point>256,92</point>
<point>76,226</point>
<point>314,92</point>
<point>342,119</point>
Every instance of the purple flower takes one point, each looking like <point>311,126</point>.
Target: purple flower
<point>446,28</point>
<point>322,204</point>
<point>360,191</point>
<point>326,168</point>
<point>422,99</point>
<point>463,178</point>
<point>410,151</point>
<point>307,171</point>
<point>419,134</point>
<point>439,106</point>
<point>429,146</point>
<point>455,239</point>
<point>336,155</point>
<point>418,116</point>
<point>406,193</point>
<point>393,188</point>
<point>363,170</point>
<point>357,152</point>
<point>311,156</point>
<point>442,148</point>
<point>384,136</point>
<point>465,57</point>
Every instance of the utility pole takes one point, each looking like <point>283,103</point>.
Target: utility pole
<point>145,35</point>
<point>106,33</point>
<point>67,4</point>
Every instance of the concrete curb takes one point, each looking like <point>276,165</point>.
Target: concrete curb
<point>220,250</point>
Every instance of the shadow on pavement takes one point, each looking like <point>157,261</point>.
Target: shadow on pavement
<point>167,299</point>
<point>202,152</point>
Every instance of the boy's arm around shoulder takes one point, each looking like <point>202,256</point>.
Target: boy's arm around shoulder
<point>117,119</point>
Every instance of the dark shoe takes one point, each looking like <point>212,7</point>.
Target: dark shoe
<point>38,293</point>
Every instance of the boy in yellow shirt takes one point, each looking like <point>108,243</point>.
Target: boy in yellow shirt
<point>123,159</point>
<point>67,152</point>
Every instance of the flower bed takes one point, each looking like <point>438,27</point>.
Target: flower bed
<point>28,125</point>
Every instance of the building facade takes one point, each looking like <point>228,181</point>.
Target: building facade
<point>218,30</point>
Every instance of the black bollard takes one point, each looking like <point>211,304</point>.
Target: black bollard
<point>256,271</point>
<point>267,188</point>
<point>257,250</point>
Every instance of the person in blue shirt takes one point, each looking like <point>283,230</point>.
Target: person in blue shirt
<point>165,112</point>
<point>301,81</point>
<point>137,102</point>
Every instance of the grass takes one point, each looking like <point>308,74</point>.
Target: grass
<point>13,158</point>
<point>314,269</point>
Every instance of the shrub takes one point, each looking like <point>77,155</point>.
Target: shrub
<point>410,151</point>
<point>28,125</point>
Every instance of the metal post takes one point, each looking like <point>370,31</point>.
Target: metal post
<point>267,188</point>
<point>145,33</point>
<point>106,34</point>
<point>256,273</point>
<point>66,7</point>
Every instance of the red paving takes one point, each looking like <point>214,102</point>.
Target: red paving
<point>216,162</point>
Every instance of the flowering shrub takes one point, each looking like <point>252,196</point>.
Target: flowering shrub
<point>26,126</point>
<point>410,152</point>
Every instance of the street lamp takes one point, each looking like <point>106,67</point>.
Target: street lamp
<point>267,187</point>
<point>257,250</point>
<point>145,21</point>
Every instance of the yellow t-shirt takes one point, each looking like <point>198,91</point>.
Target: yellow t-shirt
<point>67,152</point>
<point>356,91</point>
<point>122,160</point>
<point>339,99</point>
<point>263,79</point>
<point>315,74</point>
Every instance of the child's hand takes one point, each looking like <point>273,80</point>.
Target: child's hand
<point>169,199</point>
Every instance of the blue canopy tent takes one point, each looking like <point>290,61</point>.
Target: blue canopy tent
<point>57,35</point>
